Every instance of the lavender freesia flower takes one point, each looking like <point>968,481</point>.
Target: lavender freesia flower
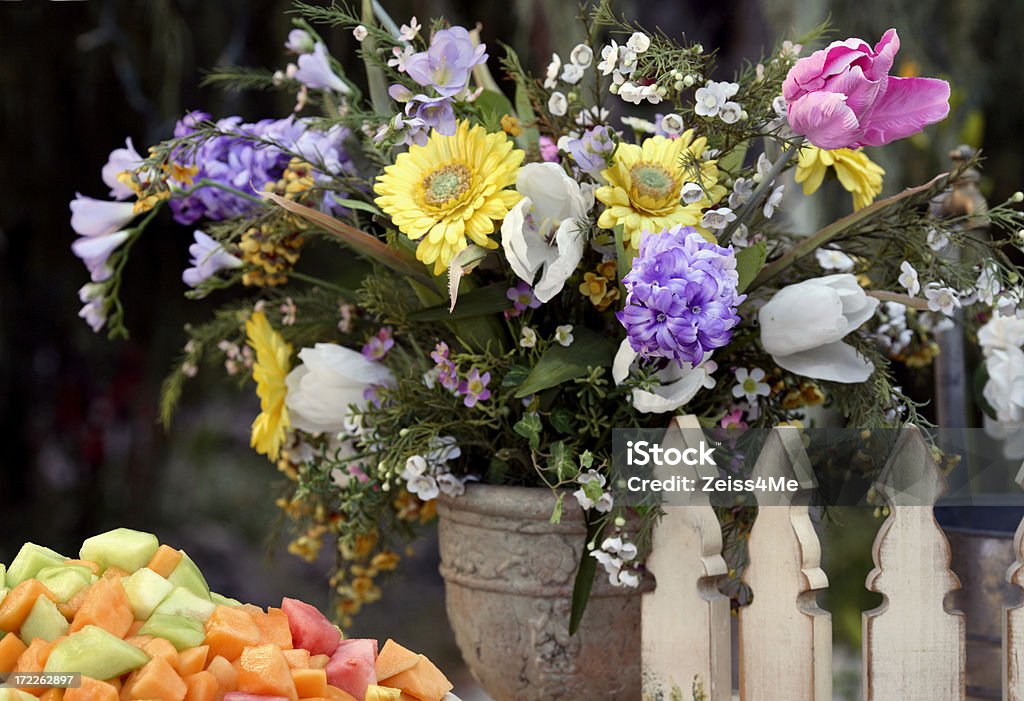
<point>378,346</point>
<point>120,160</point>
<point>681,296</point>
<point>591,150</point>
<point>208,258</point>
<point>315,71</point>
<point>447,64</point>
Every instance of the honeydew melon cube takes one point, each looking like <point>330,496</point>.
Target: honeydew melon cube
<point>44,621</point>
<point>182,632</point>
<point>16,695</point>
<point>29,560</point>
<point>122,547</point>
<point>145,590</point>
<point>65,580</point>
<point>3,594</point>
<point>221,600</point>
<point>3,576</point>
<point>182,602</point>
<point>187,575</point>
<point>95,653</point>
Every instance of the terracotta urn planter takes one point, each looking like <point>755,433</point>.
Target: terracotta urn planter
<point>509,576</point>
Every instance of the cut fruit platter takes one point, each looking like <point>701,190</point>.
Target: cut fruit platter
<point>131,619</point>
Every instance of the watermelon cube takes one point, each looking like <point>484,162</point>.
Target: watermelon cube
<point>310,629</point>
<point>351,668</point>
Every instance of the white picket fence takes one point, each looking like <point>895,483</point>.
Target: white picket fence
<point>914,648</point>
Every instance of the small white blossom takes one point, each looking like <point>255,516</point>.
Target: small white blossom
<point>558,105</point>
<point>638,43</point>
<point>529,338</point>
<point>988,285</point>
<point>551,74</point>
<point>773,201</point>
<point>408,32</point>
<point>450,485</point>
<point>692,193</point>
<point>641,126</point>
<point>710,99</point>
<point>631,93</point>
<point>400,56</point>
<point>762,167</point>
<point>603,504</point>
<point>750,385</point>
<point>730,112</point>
<point>360,33</point>
<point>563,335</point>
<point>718,218</point>
<point>609,58</point>
<point>592,116</point>
<point>942,299</point>
<point>908,278</point>
<point>742,189</point>
<point>571,73</point>
<point>628,578</point>
<point>415,466</point>
<point>672,124</point>
<point>582,55</point>
<point>937,239</point>
<point>423,486</point>
<point>833,259</point>
<point>779,106</point>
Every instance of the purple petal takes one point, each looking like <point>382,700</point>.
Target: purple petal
<point>825,119</point>
<point>907,107</point>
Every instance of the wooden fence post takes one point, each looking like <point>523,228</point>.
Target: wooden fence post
<point>686,635</point>
<point>914,649</point>
<point>1013,621</point>
<point>785,638</point>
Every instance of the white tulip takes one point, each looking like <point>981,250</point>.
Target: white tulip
<point>679,384</point>
<point>328,383</point>
<point>543,229</point>
<point>803,327</point>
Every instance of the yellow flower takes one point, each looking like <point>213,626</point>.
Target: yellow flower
<point>269,370</point>
<point>450,189</point>
<point>645,185</point>
<point>858,174</point>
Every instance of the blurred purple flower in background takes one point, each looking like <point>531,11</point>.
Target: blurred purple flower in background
<point>681,296</point>
<point>447,64</point>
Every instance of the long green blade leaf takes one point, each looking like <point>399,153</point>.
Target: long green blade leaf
<point>560,364</point>
<point>584,582</point>
<point>480,302</point>
<point>749,262</point>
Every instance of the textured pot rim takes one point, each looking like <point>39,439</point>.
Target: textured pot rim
<point>531,503</point>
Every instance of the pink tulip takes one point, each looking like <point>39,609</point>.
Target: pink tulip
<point>844,97</point>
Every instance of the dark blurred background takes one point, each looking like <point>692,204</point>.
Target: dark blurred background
<point>83,451</point>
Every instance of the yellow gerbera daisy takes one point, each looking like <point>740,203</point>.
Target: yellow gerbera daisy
<point>273,359</point>
<point>450,189</point>
<point>645,185</point>
<point>861,176</point>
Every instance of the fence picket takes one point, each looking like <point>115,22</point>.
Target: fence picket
<point>686,641</point>
<point>914,649</point>
<point>1013,621</point>
<point>785,638</point>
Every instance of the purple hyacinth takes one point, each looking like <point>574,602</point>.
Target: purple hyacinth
<point>447,64</point>
<point>250,160</point>
<point>592,150</point>
<point>681,296</point>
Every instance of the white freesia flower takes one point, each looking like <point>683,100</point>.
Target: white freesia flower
<point>330,380</point>
<point>120,160</point>
<point>542,230</point>
<point>92,217</point>
<point>95,252</point>
<point>803,327</point>
<point>582,55</point>
<point>834,259</point>
<point>208,258</point>
<point>93,312</point>
<point>314,71</point>
<point>679,384</point>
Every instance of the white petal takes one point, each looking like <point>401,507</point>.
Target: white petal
<point>570,243</point>
<point>624,358</point>
<point>671,396</point>
<point>835,362</point>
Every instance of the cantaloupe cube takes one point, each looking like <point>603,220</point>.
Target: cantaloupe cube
<point>310,683</point>
<point>52,695</point>
<point>229,630</point>
<point>226,673</point>
<point>156,680</point>
<point>92,690</point>
<point>274,628</point>
<point>33,660</point>
<point>164,560</point>
<point>201,686</point>
<point>297,658</point>
<point>192,660</point>
<point>394,659</point>
<point>19,602</point>
<point>424,681</point>
<point>105,606</point>
<point>11,648</point>
<point>158,647</point>
<point>318,661</point>
<point>264,671</point>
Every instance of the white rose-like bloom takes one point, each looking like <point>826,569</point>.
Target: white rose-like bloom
<point>803,327</point>
<point>1004,390</point>
<point>1001,332</point>
<point>542,230</point>
<point>678,384</point>
<point>330,379</point>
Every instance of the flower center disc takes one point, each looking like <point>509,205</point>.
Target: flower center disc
<point>653,187</point>
<point>445,184</point>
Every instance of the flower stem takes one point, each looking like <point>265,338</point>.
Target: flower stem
<point>906,300</point>
<point>761,191</point>
<point>204,182</point>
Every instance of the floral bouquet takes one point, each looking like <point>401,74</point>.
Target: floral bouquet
<point>511,276</point>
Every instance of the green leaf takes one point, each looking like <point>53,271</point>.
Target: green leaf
<point>515,376</point>
<point>624,261</point>
<point>529,140</point>
<point>529,427</point>
<point>494,103</point>
<point>562,462</point>
<point>586,459</point>
<point>479,302</point>
<point>556,513</point>
<point>749,262</point>
<point>374,75</point>
<point>561,420</point>
<point>584,581</point>
<point>560,364</point>
<point>358,204</point>
<point>733,161</point>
